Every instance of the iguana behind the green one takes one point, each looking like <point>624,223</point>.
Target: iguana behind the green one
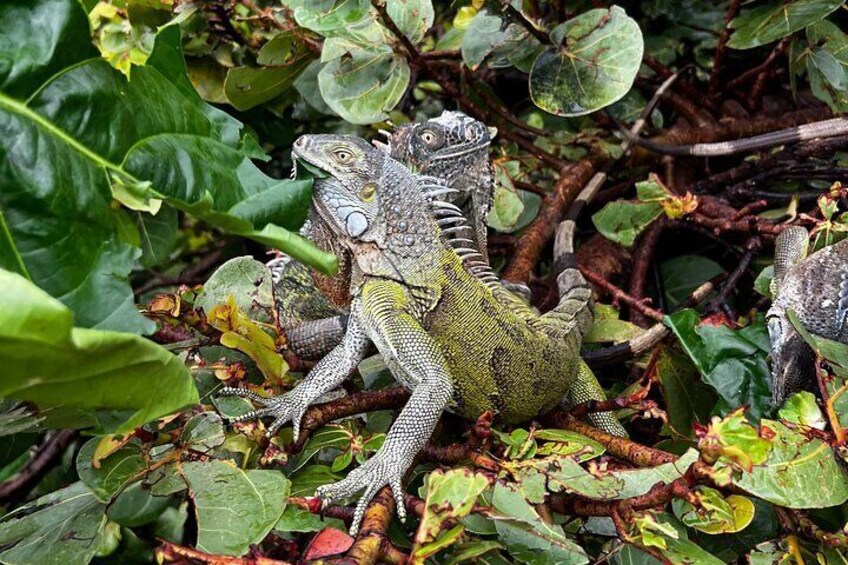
<point>457,342</point>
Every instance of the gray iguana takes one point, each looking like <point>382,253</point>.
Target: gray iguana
<point>455,341</point>
<point>815,287</point>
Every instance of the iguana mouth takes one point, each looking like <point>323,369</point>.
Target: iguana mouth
<point>301,168</point>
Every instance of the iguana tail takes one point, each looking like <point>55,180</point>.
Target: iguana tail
<point>574,310</point>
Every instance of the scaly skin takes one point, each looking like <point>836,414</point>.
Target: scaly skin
<point>457,342</point>
<point>816,289</point>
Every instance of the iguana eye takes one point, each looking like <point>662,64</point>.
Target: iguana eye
<point>429,137</point>
<point>343,156</point>
<point>366,193</point>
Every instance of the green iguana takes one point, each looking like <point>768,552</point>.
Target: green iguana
<point>455,341</point>
<point>816,289</point>
<point>453,148</point>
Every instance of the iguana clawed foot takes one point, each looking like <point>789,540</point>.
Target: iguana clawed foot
<point>383,469</point>
<point>289,407</point>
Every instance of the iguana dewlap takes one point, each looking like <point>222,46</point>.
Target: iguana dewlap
<point>816,289</point>
<point>455,341</point>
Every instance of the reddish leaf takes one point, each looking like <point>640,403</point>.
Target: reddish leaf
<point>328,541</point>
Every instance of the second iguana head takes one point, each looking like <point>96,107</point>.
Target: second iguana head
<point>453,147</point>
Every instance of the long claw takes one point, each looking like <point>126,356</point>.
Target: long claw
<point>397,492</point>
<point>359,512</point>
<point>252,415</point>
<point>241,392</point>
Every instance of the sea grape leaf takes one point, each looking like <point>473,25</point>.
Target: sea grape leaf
<point>483,34</point>
<point>203,433</point>
<point>801,408</point>
<point>244,278</point>
<point>776,19</point>
<point>715,514</point>
<point>800,472</point>
<point>111,473</point>
<point>592,64</point>
<point>528,538</point>
<point>450,496</point>
<point>623,221</point>
<point>234,508</point>
<point>660,531</point>
<point>52,363</point>
<point>365,84</point>
<point>65,526</point>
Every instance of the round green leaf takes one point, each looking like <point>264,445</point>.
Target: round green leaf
<point>364,85</point>
<point>595,64</point>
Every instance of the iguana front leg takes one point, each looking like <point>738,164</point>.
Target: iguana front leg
<point>334,368</point>
<point>409,350</point>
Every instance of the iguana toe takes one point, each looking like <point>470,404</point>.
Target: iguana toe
<point>370,477</point>
<point>285,408</point>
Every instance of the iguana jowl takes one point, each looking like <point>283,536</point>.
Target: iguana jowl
<point>457,342</point>
<point>816,289</point>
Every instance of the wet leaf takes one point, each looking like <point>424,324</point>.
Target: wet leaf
<point>801,408</point>
<point>733,362</point>
<point>528,538</point>
<point>450,496</point>
<point>111,473</point>
<point>327,542</point>
<point>594,63</point>
<point>203,433</point>
<point>776,19</point>
<point>51,363</point>
<point>234,508</point>
<point>65,526</point>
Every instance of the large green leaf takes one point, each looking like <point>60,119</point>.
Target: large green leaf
<point>530,539</point>
<point>775,19</point>
<point>49,362</point>
<point>733,362</point>
<point>109,475</point>
<point>66,526</point>
<point>593,64</point>
<point>235,508</point>
<point>365,84</point>
<point>801,472</point>
<point>88,136</point>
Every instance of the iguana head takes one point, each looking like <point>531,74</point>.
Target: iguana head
<point>452,147</point>
<point>374,206</point>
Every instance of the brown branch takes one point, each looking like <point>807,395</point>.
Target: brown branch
<point>372,543</point>
<point>758,70</point>
<point>529,246</point>
<point>635,401</point>
<point>16,489</point>
<point>458,452</point>
<point>636,453</point>
<point>619,295</point>
<point>751,247</point>
<point>718,60</point>
<point>168,552</point>
<point>522,20</point>
<point>350,405</point>
<point>641,262</point>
